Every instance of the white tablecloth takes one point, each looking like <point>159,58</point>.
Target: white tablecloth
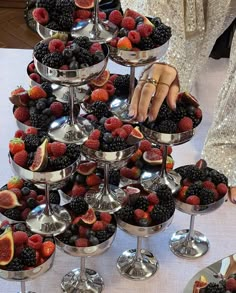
<point>174,272</point>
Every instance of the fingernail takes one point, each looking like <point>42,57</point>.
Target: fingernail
<point>150,118</point>
<point>131,113</point>
<point>141,118</point>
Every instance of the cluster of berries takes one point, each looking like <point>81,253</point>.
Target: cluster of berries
<point>144,209</point>
<point>60,15</point>
<point>87,227</point>
<point>72,55</point>
<point>112,135</point>
<point>34,151</point>
<point>29,250</point>
<point>146,158</point>
<point>137,32</point>
<point>201,185</point>
<point>37,107</point>
<point>186,116</point>
<point>38,79</point>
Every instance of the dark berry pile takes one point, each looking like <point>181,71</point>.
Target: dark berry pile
<point>201,185</point>
<point>100,110</point>
<point>122,83</point>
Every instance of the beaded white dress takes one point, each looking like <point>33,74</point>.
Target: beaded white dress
<point>196,24</point>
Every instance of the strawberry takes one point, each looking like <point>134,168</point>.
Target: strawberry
<point>36,92</point>
<point>112,123</point>
<point>19,134</point>
<point>169,163</point>
<point>153,198</point>
<point>58,149</point>
<point>16,145</point>
<point>21,158</point>
<point>145,145</point>
<point>95,134</point>
<point>82,242</point>
<point>138,214</point>
<point>222,189</point>
<point>182,193</point>
<point>193,200</point>
<point>124,44</point>
<point>102,15</point>
<point>92,144</point>
<point>22,114</point>
<point>15,182</point>
<point>105,217</point>
<point>78,190</point>
<point>98,226</point>
<point>83,13</point>
<point>93,180</point>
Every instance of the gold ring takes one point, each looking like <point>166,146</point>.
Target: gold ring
<point>160,82</point>
<point>150,80</point>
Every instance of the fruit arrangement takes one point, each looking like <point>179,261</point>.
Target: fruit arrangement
<point>69,55</point>
<point>37,107</point>
<point>148,158</point>
<point>38,79</point>
<point>21,250</point>
<point>19,197</point>
<point>201,185</point>
<point>112,135</point>
<point>60,15</point>
<point>145,209</point>
<point>33,150</point>
<point>187,116</point>
<point>137,32</point>
<point>88,228</point>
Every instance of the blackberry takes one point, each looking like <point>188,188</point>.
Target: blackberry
<point>161,34</point>
<point>100,109</point>
<point>217,177</point>
<point>54,197</point>
<point>156,21</point>
<point>114,177</point>
<point>183,171</point>
<point>121,83</point>
<point>196,121</point>
<point>164,192</point>
<point>98,57</point>
<point>111,228</point>
<point>66,108</point>
<point>73,152</point>
<point>30,185</point>
<point>102,236</point>
<point>60,163</point>
<point>66,22</point>
<point>53,25</point>
<point>146,44</point>
<point>84,56</point>
<point>83,42</point>
<point>169,205</point>
<point>206,196</point>
<point>47,87</point>
<point>65,237</point>
<point>178,114</point>
<point>126,214</point>
<point>117,144</point>
<point>13,214</point>
<point>53,60</point>
<point>40,50</point>
<point>78,205</point>
<point>54,15</point>
<point>15,265</point>
<point>141,203</point>
<point>159,214</point>
<point>30,159</point>
<point>49,5</point>
<point>28,256</point>
<point>167,126</point>
<point>195,174</point>
<point>164,112</point>
<point>214,288</point>
<point>39,121</point>
<point>65,6</point>
<point>32,141</point>
<point>194,189</point>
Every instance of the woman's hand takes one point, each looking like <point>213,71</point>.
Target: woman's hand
<point>158,82</point>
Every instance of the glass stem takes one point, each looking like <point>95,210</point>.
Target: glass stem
<point>106,186</point>
<point>96,13</point>
<point>191,228</point>
<point>48,209</point>
<point>71,105</point>
<point>163,165</point>
<point>22,287</point>
<point>83,276</point>
<point>138,255</point>
<point>131,83</point>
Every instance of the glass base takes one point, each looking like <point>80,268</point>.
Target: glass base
<point>197,246</point>
<point>120,108</point>
<point>47,225</point>
<point>137,269</point>
<point>71,282</point>
<point>64,131</point>
<point>103,200</point>
<point>171,179</point>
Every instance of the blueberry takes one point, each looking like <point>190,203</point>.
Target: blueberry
<point>50,100</point>
<point>123,32</point>
<point>25,191</point>
<point>74,65</point>
<point>90,233</point>
<point>20,227</point>
<point>72,240</point>
<point>102,120</point>
<point>93,240</point>
<point>111,228</point>
<point>74,228</point>
<point>144,222</point>
<point>47,111</point>
<point>107,137</point>
<point>80,179</point>
<point>139,19</point>
<point>32,110</point>
<point>84,65</point>
<point>32,203</point>
<point>67,53</point>
<point>98,57</point>
<point>67,234</point>
<point>41,105</point>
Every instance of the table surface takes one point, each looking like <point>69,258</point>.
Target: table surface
<point>174,272</point>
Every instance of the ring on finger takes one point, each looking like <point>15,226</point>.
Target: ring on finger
<point>150,80</point>
<point>164,83</point>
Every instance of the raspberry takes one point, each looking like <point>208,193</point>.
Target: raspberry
<point>208,185</point>
<point>109,87</point>
<point>216,194</point>
<point>114,42</point>
<point>56,45</point>
<point>83,14</point>
<point>95,47</point>
<point>222,189</point>
<point>32,194</point>
<point>113,77</point>
<point>138,213</point>
<point>20,237</point>
<point>185,124</point>
<point>102,15</point>
<point>24,213</point>
<point>95,134</point>
<point>112,123</point>
<point>92,144</point>
<point>58,149</point>
<point>22,114</point>
<point>35,77</point>
<point>119,132</point>
<point>21,158</point>
<point>98,226</point>
<point>99,95</point>
<point>31,130</point>
<point>41,199</point>
<point>35,241</point>
<point>230,284</point>
<point>82,242</point>
<point>116,17</point>
<point>145,30</point>
<point>198,113</point>
<point>145,145</point>
<point>57,109</point>
<point>19,134</point>
<point>31,67</point>
<point>83,231</point>
<point>153,199</point>
<point>78,190</point>
<point>105,217</point>
<point>93,180</point>
<point>40,15</point>
<point>193,200</point>
<point>128,23</point>
<point>134,36</point>
<point>17,192</point>
<point>169,149</point>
